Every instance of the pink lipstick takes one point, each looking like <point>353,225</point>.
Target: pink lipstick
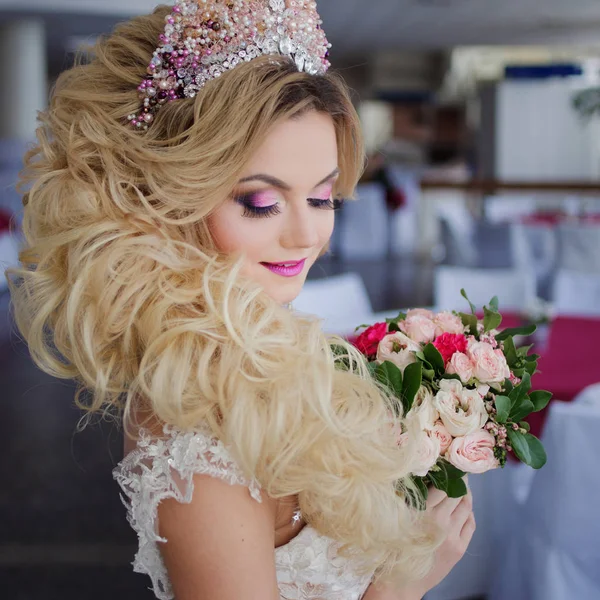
<point>286,269</point>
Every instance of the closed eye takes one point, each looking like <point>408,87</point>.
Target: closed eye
<point>327,203</point>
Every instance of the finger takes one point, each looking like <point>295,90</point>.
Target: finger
<point>466,500</point>
<point>468,529</point>
<point>435,497</point>
<point>445,508</point>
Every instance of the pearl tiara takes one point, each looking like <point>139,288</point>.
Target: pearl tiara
<point>203,39</point>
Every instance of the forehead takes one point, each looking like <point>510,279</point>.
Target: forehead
<point>297,151</point>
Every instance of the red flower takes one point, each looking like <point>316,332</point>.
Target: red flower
<point>368,341</point>
<point>449,343</point>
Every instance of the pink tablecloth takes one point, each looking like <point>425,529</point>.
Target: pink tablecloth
<point>570,363</point>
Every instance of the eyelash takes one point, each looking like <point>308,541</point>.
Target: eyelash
<point>257,212</point>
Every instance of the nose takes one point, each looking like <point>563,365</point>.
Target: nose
<point>301,228</point>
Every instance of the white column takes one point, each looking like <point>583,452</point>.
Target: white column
<point>23,64</point>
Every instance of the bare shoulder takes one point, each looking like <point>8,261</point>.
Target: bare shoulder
<point>219,546</point>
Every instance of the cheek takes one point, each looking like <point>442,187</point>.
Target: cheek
<point>234,234</point>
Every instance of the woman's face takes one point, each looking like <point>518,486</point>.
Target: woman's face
<point>280,215</point>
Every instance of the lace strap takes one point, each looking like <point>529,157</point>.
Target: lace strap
<point>161,468</point>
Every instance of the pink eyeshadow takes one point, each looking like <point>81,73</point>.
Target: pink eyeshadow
<point>326,193</point>
<point>264,199</point>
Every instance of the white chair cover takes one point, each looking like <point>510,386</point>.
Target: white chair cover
<point>515,288</point>
<point>534,247</point>
<point>554,552</point>
<point>579,248</point>
<point>576,293</point>
<point>590,396</point>
<point>363,224</point>
<point>341,301</point>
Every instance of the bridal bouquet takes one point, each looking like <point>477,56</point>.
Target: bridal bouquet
<point>464,387</point>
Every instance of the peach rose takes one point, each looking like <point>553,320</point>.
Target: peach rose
<point>489,364</point>
<point>423,412</point>
<point>473,453</point>
<point>461,365</point>
<point>442,434</point>
<point>446,322</point>
<point>398,349</point>
<point>427,451</point>
<point>418,327</point>
<point>461,410</point>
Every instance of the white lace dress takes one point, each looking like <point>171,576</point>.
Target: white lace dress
<point>308,567</point>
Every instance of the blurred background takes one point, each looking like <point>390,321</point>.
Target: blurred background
<point>482,127</point>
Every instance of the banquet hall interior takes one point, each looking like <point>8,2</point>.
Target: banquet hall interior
<point>482,128</point>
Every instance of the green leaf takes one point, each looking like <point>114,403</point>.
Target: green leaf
<point>503,407</point>
<point>523,350</point>
<point>510,352</point>
<point>418,499</point>
<point>508,386</point>
<point>520,391</point>
<point>540,399</point>
<point>494,304</point>
<point>525,425</point>
<point>469,321</point>
<point>439,479</point>
<point>491,319</point>
<point>524,409</point>
<point>401,317</point>
<point>457,488</point>
<point>433,356</point>
<point>391,376</point>
<point>511,332</point>
<point>527,448</point>
<point>413,376</point>
<point>393,326</point>
<point>451,470</point>
<point>363,326</point>
<point>464,295</point>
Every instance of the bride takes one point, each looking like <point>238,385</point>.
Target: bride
<point>183,184</point>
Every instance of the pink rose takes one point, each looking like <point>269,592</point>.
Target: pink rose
<point>398,349</point>
<point>460,364</point>
<point>461,410</point>
<point>421,312</point>
<point>473,453</point>
<point>489,364</point>
<point>449,343</point>
<point>369,339</point>
<point>427,451</point>
<point>418,327</point>
<point>442,434</point>
<point>446,322</point>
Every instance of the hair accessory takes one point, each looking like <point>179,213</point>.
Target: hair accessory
<point>205,38</point>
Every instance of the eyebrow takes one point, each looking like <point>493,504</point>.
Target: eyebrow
<point>281,184</point>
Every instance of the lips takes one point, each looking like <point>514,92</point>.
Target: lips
<point>290,268</point>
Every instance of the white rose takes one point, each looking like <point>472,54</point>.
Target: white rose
<point>427,450</point>
<point>398,349</point>
<point>489,364</point>
<point>423,412</point>
<point>461,410</point>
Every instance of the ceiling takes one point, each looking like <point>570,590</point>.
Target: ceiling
<point>357,27</point>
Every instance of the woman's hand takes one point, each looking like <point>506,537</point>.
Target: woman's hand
<point>455,518</point>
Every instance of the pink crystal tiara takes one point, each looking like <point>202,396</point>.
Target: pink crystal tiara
<point>205,38</point>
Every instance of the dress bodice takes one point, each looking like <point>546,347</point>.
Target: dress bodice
<point>308,567</point>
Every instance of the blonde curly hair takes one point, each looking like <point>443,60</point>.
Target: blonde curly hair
<point>122,289</point>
